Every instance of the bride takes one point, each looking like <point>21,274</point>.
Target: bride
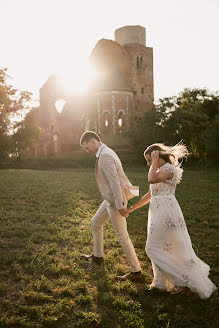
<point>168,245</point>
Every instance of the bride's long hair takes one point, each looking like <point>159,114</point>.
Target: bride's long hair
<point>171,154</point>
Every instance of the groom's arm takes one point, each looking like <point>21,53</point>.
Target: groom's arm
<point>109,168</point>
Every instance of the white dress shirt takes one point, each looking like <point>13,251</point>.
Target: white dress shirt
<point>98,152</point>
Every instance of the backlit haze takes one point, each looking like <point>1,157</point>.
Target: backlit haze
<point>44,37</point>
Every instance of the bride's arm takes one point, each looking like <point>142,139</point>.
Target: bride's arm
<point>143,201</point>
<point>153,175</point>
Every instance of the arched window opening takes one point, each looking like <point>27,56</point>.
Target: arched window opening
<point>142,90</point>
<point>59,105</point>
<point>106,119</point>
<point>137,62</point>
<point>121,114</point>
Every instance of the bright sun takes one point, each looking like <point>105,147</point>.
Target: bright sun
<point>75,79</point>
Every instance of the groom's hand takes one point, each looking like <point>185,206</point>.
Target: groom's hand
<point>123,212</point>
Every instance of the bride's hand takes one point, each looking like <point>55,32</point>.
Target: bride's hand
<point>155,155</point>
<point>123,212</point>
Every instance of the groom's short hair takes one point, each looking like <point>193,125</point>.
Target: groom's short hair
<point>87,135</point>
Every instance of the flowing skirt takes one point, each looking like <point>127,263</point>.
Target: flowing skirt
<point>169,247</point>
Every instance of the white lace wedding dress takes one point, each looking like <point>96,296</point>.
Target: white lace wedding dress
<point>169,246</point>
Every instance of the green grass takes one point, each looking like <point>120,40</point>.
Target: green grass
<point>45,226</point>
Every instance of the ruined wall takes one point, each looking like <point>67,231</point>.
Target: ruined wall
<point>108,55</point>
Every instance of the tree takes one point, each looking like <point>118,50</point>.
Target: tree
<point>196,111</point>
<point>144,131</point>
<point>12,102</point>
<point>193,117</point>
<point>212,140</point>
<point>27,133</point>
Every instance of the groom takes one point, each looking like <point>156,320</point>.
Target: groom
<point>116,189</point>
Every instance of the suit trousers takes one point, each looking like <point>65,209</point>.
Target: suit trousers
<point>103,214</point>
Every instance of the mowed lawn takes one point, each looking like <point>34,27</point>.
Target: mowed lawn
<point>45,226</point>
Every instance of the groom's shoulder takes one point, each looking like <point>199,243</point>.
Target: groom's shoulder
<point>107,151</point>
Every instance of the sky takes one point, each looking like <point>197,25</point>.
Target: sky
<point>43,37</point>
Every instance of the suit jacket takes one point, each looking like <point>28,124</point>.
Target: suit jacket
<point>113,184</point>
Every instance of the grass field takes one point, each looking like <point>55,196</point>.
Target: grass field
<point>45,226</point>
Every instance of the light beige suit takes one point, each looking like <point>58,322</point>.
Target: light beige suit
<point>116,189</point>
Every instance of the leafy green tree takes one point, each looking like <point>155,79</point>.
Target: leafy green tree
<point>212,140</point>
<point>27,133</point>
<point>191,117</point>
<point>195,112</point>
<point>144,131</point>
<point>12,102</point>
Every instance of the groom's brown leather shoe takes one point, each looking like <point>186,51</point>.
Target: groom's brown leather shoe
<point>133,276</point>
<point>95,259</point>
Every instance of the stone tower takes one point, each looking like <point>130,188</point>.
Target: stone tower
<point>133,39</point>
<point>124,86</point>
<point>131,34</point>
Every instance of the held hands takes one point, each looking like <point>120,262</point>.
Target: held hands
<point>155,156</point>
<point>125,212</point>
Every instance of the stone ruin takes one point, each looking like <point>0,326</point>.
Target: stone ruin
<point>122,89</point>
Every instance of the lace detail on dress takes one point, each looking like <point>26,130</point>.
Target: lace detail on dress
<point>176,170</point>
<point>167,187</point>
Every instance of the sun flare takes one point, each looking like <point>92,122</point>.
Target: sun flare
<point>78,78</point>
